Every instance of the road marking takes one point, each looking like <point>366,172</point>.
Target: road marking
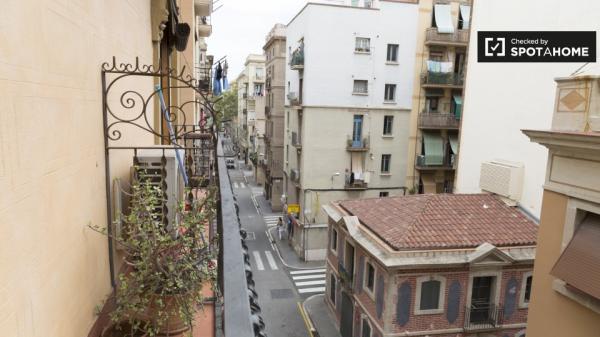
<point>271,260</point>
<point>311,290</point>
<point>310,283</point>
<point>306,319</point>
<point>271,220</point>
<point>310,271</point>
<point>235,185</point>
<point>307,277</point>
<point>242,185</point>
<point>258,260</point>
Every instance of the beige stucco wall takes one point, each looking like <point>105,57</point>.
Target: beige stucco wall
<point>550,313</point>
<point>55,270</point>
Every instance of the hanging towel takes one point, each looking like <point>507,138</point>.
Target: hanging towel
<point>446,67</point>
<point>434,66</point>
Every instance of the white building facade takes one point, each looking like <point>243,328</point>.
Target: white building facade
<point>349,85</point>
<point>501,99</point>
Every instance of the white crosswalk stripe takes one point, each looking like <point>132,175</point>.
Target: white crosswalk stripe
<point>258,260</point>
<point>235,184</point>
<point>271,260</point>
<point>271,220</point>
<point>242,185</point>
<point>309,281</point>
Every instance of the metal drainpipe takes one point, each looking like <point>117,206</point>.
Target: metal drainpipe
<point>305,238</point>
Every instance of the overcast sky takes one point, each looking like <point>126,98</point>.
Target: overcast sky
<point>240,27</point>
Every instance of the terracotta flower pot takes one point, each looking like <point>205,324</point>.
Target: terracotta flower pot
<point>121,330</point>
<point>174,324</point>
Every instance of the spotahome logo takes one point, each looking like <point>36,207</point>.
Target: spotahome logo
<point>536,46</point>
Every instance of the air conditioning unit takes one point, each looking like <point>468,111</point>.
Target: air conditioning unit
<point>502,177</point>
<point>160,167</point>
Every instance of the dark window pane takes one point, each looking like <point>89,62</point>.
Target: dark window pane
<point>370,276</point>
<point>528,289</point>
<point>332,288</point>
<point>366,329</point>
<point>430,295</point>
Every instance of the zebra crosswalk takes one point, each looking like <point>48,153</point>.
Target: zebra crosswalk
<point>258,261</point>
<point>239,185</point>
<point>309,281</point>
<point>271,220</point>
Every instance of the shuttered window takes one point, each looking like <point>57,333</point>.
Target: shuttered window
<point>430,295</point>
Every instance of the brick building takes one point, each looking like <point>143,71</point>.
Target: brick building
<point>429,265</point>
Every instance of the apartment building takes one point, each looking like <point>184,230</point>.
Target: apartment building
<point>501,99</point>
<point>55,270</point>
<point>275,51</point>
<point>409,266</point>
<point>347,108</point>
<point>566,296</point>
<point>442,42</point>
<point>251,112</point>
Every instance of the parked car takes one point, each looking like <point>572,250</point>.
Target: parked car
<point>230,162</point>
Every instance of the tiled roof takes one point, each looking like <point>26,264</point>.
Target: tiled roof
<point>438,221</point>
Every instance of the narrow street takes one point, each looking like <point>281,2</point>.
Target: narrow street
<point>281,289</point>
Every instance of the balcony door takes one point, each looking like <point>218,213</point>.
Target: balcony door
<point>357,131</point>
<point>481,299</point>
<point>349,260</point>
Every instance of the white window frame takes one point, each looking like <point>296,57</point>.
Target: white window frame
<point>497,273</point>
<point>387,52</point>
<point>391,133</point>
<point>389,164</point>
<point>359,47</point>
<point>522,303</point>
<point>337,235</point>
<point>441,298</point>
<point>366,92</point>
<point>363,319</point>
<point>385,89</point>
<point>370,292</point>
<point>521,333</point>
<point>346,244</point>
<point>571,222</point>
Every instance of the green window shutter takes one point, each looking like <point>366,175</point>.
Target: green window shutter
<point>457,106</point>
<point>434,148</point>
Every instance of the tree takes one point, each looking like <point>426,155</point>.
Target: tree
<point>227,106</point>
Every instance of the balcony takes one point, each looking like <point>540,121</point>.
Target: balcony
<point>483,317</point>
<point>353,145</point>
<point>424,163</point>
<point>357,184</point>
<point>203,26</point>
<point>435,120</point>
<point>296,140</point>
<point>459,38</point>
<point>346,277</point>
<point>297,59</point>
<point>430,79</point>
<point>294,99</point>
<point>203,7</point>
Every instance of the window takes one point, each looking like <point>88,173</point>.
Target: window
<point>390,92</point>
<point>392,53</point>
<point>430,294</point>
<point>527,294</point>
<point>258,90</point>
<point>361,87</point>
<point>384,194</point>
<point>332,288</point>
<point>260,73</point>
<point>363,45</point>
<point>385,163</point>
<point>334,240</point>
<point>370,278</point>
<point>366,328</point>
<point>388,121</point>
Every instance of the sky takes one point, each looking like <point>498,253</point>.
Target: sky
<point>240,26</point>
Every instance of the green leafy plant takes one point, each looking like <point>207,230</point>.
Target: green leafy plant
<point>166,266</point>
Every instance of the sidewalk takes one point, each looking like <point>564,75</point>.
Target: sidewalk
<point>320,316</point>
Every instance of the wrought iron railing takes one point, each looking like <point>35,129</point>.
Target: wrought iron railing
<point>460,36</point>
<point>483,316</point>
<point>346,276</point>
<point>435,120</point>
<point>360,144</point>
<point>437,78</point>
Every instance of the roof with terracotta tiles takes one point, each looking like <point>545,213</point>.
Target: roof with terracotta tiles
<point>440,221</point>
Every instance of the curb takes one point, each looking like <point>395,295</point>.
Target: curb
<point>308,320</point>
<point>276,248</point>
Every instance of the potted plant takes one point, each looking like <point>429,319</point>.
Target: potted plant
<point>165,266</point>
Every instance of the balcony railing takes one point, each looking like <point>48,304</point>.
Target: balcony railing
<point>424,162</point>
<point>357,184</point>
<point>435,79</point>
<point>435,120</point>
<point>459,37</point>
<point>483,317</point>
<point>345,276</point>
<point>293,98</point>
<point>357,144</point>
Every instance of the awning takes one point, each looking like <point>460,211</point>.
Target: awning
<point>453,139</point>
<point>579,264</point>
<point>457,106</point>
<point>443,19</point>
<point>434,148</point>
<point>465,13</point>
